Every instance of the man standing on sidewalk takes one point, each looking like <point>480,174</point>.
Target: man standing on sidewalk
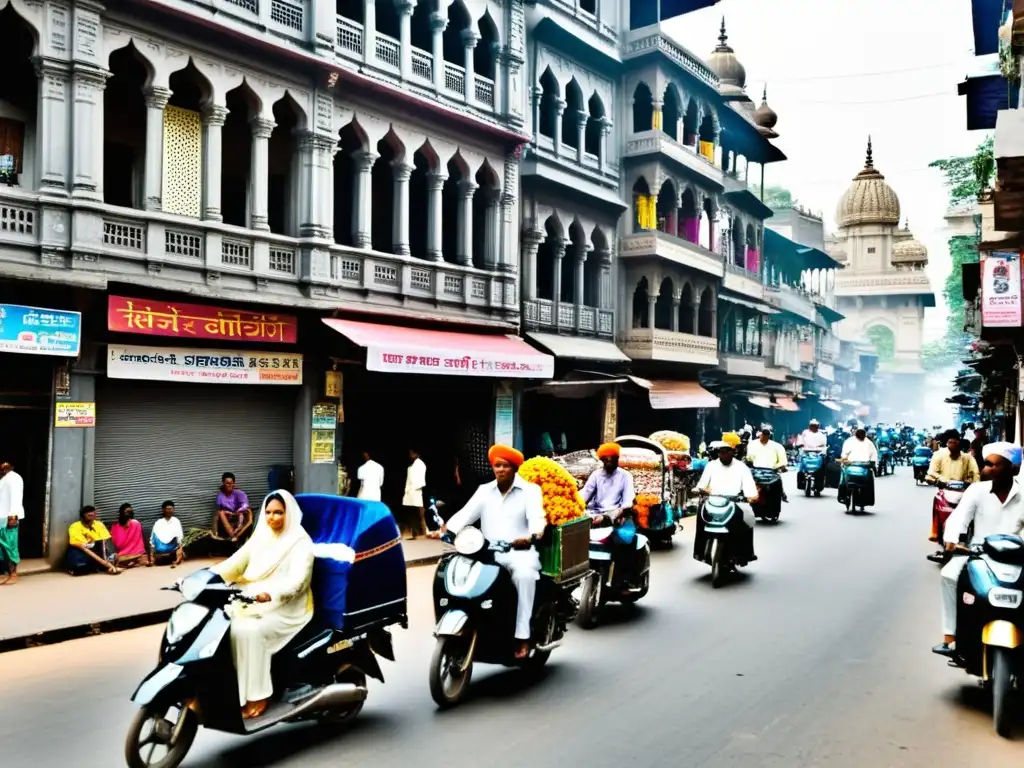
<point>12,511</point>
<point>412,500</point>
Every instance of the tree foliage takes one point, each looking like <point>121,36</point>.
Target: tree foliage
<point>778,197</point>
<point>967,176</point>
<point>884,341</point>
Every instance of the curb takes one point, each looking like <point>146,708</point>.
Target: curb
<point>122,624</point>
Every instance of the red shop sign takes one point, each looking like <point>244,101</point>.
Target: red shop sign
<point>195,321</point>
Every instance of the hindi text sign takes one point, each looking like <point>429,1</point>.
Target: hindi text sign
<point>203,366</point>
<point>1001,290</point>
<point>37,331</point>
<point>195,321</point>
<point>75,415</point>
<point>450,363</point>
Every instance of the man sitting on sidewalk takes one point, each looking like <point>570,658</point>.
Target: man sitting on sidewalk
<point>167,537</point>
<point>233,516</point>
<point>90,548</point>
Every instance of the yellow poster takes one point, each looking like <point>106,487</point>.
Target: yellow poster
<point>333,384</point>
<point>75,415</point>
<point>321,446</point>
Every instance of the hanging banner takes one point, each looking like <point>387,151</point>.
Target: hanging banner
<point>37,331</point>
<point>205,366</point>
<point>1001,290</point>
<point>195,321</point>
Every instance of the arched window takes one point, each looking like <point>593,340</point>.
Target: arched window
<point>548,111</point>
<point>668,202</point>
<point>643,108</point>
<point>644,212</point>
<point>664,307</point>
<point>689,217</point>
<point>671,112</point>
<point>485,55</point>
<point>571,116</point>
<point>595,126</point>
<point>641,303</point>
<point>687,311</point>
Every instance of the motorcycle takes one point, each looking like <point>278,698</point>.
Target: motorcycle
<point>886,464</point>
<point>769,494</point>
<point>475,604</point>
<point>857,478</point>
<point>620,559</point>
<point>722,518</point>
<point>320,674</point>
<point>920,461</point>
<point>811,476</point>
<point>946,500</point>
<point>990,620</point>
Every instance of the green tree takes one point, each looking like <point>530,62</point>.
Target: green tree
<point>966,178</point>
<point>778,197</point>
<point>884,341</point>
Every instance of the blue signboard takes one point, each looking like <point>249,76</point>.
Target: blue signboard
<point>35,331</point>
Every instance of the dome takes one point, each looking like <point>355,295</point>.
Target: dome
<point>869,200</point>
<point>910,251</point>
<point>764,115</point>
<point>723,62</point>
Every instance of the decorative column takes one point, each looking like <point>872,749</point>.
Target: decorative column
<point>52,120</point>
<point>532,238</point>
<point>156,100</point>
<point>652,315</point>
<point>558,251</point>
<point>405,11</point>
<point>501,67</point>
<point>362,202</point>
<point>656,114</point>
<point>581,135</point>
<point>580,280</point>
<point>316,186</point>
<point>438,24</point>
<point>214,117</point>
<point>559,111</point>
<point>538,96</point>
<point>470,37</point>
<point>492,233</point>
<point>467,189</point>
<point>606,130</point>
<point>259,174</point>
<point>87,133</point>
<point>695,309</point>
<point>435,209</point>
<point>400,231</point>
<point>676,301</point>
<point>370,30</point>
<point>605,294</point>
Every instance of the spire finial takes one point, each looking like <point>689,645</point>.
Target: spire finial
<point>723,38</point>
<point>869,162</point>
<point>764,94</point>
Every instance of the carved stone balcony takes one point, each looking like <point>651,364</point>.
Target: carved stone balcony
<point>744,282</point>
<point>748,366</point>
<point>669,346</point>
<point>653,142</point>
<point>674,249</point>
<point>543,314</point>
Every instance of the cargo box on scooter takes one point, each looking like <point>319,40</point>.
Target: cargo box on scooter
<point>359,572</point>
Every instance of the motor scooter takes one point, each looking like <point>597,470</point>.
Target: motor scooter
<point>857,478</point>
<point>723,548</point>
<point>920,461</point>
<point>475,605</point>
<point>768,506</point>
<point>990,620</point>
<point>620,559</point>
<point>946,500</point>
<point>886,464</point>
<point>811,476</point>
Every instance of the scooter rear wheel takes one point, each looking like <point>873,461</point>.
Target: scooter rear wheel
<point>140,751</point>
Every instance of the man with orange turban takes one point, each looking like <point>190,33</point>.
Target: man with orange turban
<point>609,491</point>
<point>509,509</point>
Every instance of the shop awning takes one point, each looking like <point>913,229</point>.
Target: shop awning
<point>392,349</point>
<point>830,405</point>
<point>672,395</point>
<point>760,306</point>
<point>786,404</point>
<point>759,401</point>
<point>576,348</point>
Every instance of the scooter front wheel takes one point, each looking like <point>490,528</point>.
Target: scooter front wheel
<point>156,741</point>
<point>590,601</point>
<point>718,567</point>
<point>450,670</point>
<point>1002,687</point>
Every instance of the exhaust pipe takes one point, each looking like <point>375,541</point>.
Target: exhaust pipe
<point>548,647</point>
<point>335,696</point>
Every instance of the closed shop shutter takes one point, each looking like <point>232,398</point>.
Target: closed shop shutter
<point>158,441</point>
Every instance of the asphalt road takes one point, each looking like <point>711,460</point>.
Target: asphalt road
<point>818,656</point>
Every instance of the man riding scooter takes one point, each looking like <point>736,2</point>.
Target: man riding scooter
<point>948,465</point>
<point>770,457</point>
<point>995,505</point>
<point>727,477</point>
<point>813,444</point>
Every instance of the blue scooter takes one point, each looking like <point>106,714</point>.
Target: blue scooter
<point>811,476</point>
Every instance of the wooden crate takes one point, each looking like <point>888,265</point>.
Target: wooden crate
<point>565,550</point>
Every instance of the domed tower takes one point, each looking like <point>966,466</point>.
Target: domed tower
<point>766,118</point>
<point>883,289</point>
<point>732,76</point>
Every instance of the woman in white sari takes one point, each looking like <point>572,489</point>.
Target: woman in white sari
<point>275,568</point>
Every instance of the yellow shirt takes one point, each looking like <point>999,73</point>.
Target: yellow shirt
<point>78,534</point>
<point>943,467</point>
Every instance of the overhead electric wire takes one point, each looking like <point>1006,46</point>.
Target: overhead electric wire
<point>855,75</point>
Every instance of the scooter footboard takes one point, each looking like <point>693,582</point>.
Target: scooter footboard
<point>452,624</point>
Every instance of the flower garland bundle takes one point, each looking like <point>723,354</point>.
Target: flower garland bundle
<point>562,500</point>
<point>642,507</point>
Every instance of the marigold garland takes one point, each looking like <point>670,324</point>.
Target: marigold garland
<point>562,500</point>
<point>642,507</point>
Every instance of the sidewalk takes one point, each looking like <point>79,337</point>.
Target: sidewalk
<point>51,607</point>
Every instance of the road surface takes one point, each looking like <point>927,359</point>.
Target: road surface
<point>820,656</point>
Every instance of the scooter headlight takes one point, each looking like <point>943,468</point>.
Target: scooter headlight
<point>184,619</point>
<point>469,541</point>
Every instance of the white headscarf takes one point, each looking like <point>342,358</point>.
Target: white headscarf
<point>1009,451</point>
<point>268,549</point>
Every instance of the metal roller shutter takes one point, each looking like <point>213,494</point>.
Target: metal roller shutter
<point>158,441</point>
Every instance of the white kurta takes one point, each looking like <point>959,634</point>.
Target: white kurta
<point>732,480</point>
<point>518,514</point>
<point>12,495</point>
<point>260,630</point>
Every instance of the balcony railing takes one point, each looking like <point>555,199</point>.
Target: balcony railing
<point>422,65</point>
<point>743,281</point>
<point>350,36</point>
<point>485,90</point>
<point>658,142</point>
<point>115,241</point>
<point>791,299</point>
<point>454,78</point>
<point>669,346</point>
<point>672,248</point>
<point>388,52</point>
<point>568,318</point>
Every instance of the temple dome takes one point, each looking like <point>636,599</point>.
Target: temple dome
<point>869,200</point>
<point>909,251</point>
<point>732,76</point>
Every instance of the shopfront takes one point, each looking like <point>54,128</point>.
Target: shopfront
<point>36,347</point>
<point>651,405</point>
<point>186,393</point>
<point>448,395</point>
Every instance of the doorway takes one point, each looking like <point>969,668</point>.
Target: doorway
<point>25,405</point>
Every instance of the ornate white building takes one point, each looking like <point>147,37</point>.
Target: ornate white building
<point>883,290</point>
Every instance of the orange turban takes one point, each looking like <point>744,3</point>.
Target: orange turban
<point>608,449</point>
<point>504,453</point>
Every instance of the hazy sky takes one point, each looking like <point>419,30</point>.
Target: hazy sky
<point>837,70</point>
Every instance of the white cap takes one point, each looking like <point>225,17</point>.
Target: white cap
<point>815,423</point>
<point>1009,451</point>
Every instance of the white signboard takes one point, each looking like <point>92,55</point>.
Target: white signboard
<point>501,364</point>
<point>203,366</point>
